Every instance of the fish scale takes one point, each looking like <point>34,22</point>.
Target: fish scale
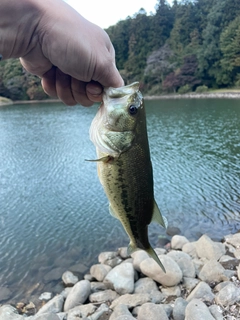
<point>119,133</point>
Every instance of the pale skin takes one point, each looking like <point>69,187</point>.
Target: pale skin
<point>74,58</point>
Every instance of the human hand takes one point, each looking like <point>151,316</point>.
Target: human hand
<point>74,57</point>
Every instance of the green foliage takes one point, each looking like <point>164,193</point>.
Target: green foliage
<point>201,89</point>
<point>184,89</point>
<point>191,45</point>
<point>17,84</point>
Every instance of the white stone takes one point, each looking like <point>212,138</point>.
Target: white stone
<point>78,295</point>
<point>152,270</point>
<point>178,241</point>
<point>121,278</point>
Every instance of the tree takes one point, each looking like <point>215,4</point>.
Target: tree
<point>158,64</point>
<point>230,48</point>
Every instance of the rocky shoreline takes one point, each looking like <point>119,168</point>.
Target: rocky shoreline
<point>202,282</point>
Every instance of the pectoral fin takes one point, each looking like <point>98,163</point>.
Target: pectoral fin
<point>103,159</point>
<point>157,216</point>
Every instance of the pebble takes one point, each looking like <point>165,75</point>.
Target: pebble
<point>201,291</point>
<point>121,278</point>
<point>45,296</point>
<point>99,271</point>
<point>54,305</point>
<point>152,270</point>
<point>178,242</point>
<point>78,295</point>
<point>152,311</point>
<point>206,248</point>
<point>121,312</point>
<point>228,295</point>
<point>179,309</point>
<point>123,288</point>
<point>212,271</point>
<point>69,278</point>
<point>196,310</point>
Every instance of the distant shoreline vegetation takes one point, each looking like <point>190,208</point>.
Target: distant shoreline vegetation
<point>217,94</point>
<point>190,46</point>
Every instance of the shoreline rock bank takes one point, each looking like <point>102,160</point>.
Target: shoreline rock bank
<point>202,281</point>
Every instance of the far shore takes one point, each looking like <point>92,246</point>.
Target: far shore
<point>219,94</point>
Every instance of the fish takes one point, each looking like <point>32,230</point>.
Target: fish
<point>119,133</point>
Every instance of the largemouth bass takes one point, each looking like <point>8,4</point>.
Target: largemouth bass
<point>119,133</point>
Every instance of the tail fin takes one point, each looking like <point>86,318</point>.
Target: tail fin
<point>132,248</point>
<point>153,255</point>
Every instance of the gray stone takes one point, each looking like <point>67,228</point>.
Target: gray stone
<point>168,309</point>
<point>5,293</point>
<point>228,295</point>
<point>121,312</point>
<point>233,239</point>
<point>121,278</point>
<point>156,297</point>
<point>8,312</point>
<point>212,271</point>
<point>102,311</point>
<point>145,285</point>
<point>46,316</point>
<point>69,278</point>
<point>196,310</point>
<point>109,258</point>
<point>238,272</point>
<point>198,264</point>
<point>206,248</point>
<point>81,311</point>
<point>160,251</point>
<point>131,300</point>
<point>179,309</point>
<point>78,295</point>
<point>185,263</point>
<point>171,291</point>
<point>123,252</point>
<point>99,271</point>
<point>201,291</point>
<point>221,285</point>
<point>152,311</point>
<point>190,248</point>
<point>97,286</point>
<point>138,256</point>
<point>105,256</point>
<point>61,316</point>
<point>152,270</point>
<point>178,242</point>
<point>88,277</point>
<point>54,305</point>
<point>216,312</point>
<point>54,274</point>
<point>226,258</point>
<point>66,292</point>
<point>190,283</point>
<point>45,296</point>
<point>103,296</point>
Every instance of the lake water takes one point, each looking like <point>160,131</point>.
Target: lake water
<point>53,211</point>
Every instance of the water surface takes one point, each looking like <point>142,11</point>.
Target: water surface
<point>54,213</point>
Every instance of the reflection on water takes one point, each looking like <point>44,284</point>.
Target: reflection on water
<point>53,211</point>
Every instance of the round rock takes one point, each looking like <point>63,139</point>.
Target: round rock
<point>152,270</point>
<point>78,295</point>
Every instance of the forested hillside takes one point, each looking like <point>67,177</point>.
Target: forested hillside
<point>189,46</point>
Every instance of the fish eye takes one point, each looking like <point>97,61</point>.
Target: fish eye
<point>132,110</point>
